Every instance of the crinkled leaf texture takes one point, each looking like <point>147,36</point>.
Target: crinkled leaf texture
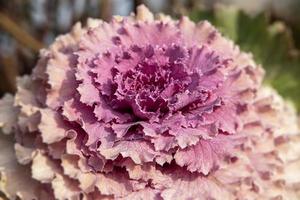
<point>147,108</point>
<point>271,44</point>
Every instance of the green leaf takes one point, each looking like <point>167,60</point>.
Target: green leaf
<point>271,45</point>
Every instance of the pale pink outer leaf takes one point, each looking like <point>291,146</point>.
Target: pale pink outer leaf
<point>205,155</point>
<point>51,126</point>
<point>8,113</point>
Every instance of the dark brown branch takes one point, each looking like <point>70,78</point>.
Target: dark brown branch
<point>105,9</point>
<point>19,34</point>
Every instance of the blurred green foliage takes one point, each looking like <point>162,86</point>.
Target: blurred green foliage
<point>270,43</point>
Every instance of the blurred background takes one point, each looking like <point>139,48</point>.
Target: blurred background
<point>268,28</point>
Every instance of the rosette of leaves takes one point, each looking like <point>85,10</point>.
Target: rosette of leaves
<point>147,107</point>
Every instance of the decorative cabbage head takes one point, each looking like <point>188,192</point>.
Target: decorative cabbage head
<point>147,108</point>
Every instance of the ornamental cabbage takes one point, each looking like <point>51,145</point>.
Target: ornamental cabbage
<point>146,107</point>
